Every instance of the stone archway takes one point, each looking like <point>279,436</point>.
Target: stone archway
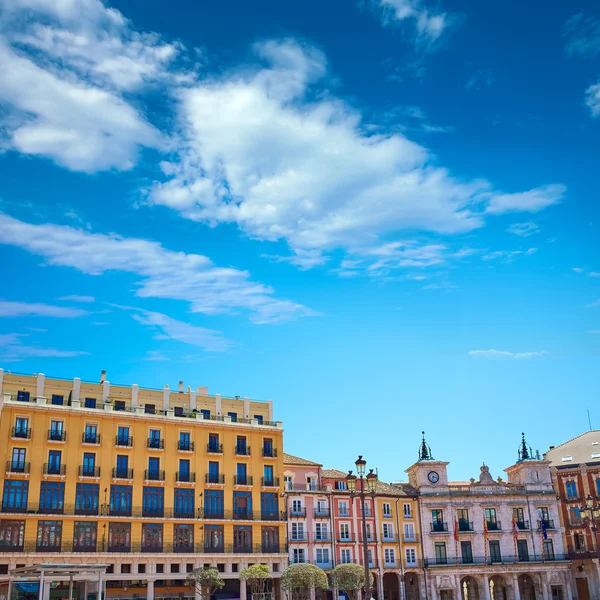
<point>391,589</point>
<point>498,588</point>
<point>527,587</point>
<point>469,588</point>
<point>411,586</point>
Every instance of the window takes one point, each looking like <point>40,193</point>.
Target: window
<point>409,532</point>
<point>268,447</point>
<point>54,462</point>
<point>466,552</point>
<point>17,464</point>
<point>49,535</point>
<point>152,536</point>
<point>57,400</point>
<point>120,500</point>
<point>411,556</point>
<point>12,533</point>
<point>298,555</point>
<point>495,555</point>
<point>213,442</point>
<point>15,495</point>
<point>86,498</point>
<point>268,475</point>
<point>269,505</point>
<point>241,474</point>
<point>321,509</point>
<point>388,531</point>
<point>205,413</point>
<point>184,469</point>
<point>183,536</point>
<point>548,550</point>
<point>178,411</point>
<point>119,405</point>
<point>321,532</point>
<point>242,539</point>
<point>90,435</point>
<point>367,509</point>
<point>149,409</point>
<point>213,472</point>
<point>370,557</point>
<point>240,445</point>
<point>440,553</point>
<point>407,511</point>
<point>119,537</point>
<point>213,538</point>
<point>519,517</point>
<point>297,508</point>
<point>90,403</point>
<point>346,555</point>
<point>122,466</point>
<point>462,515</point>
<point>123,436</point>
<point>389,556</point>
<point>344,531</point>
<point>52,496</point>
<point>387,510</point>
<point>22,396</point>
<point>571,488</point>
<point>233,416</point>
<point>56,431</point>
<point>579,542</point>
<point>368,528</point>
<point>259,419</point>
<point>437,520</point>
<point>340,485</point>
<point>84,536</point>
<point>153,468</point>
<point>213,503</point>
<point>270,539</point>
<point>21,427</point>
<point>343,509</point>
<point>154,438</point>
<point>297,531</point>
<point>598,487</point>
<point>242,505</point>
<point>89,463</point>
<point>322,556</point>
<point>490,518</point>
<point>183,505</point>
<point>153,501</point>
<point>184,440</point>
<point>522,550</point>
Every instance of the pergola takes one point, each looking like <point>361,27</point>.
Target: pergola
<point>45,574</point>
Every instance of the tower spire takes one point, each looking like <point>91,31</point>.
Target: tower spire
<point>425,450</point>
<point>525,452</point>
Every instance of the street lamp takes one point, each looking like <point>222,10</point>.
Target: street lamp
<point>591,512</point>
<point>371,487</point>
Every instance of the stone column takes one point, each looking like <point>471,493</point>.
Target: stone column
<point>134,397</point>
<point>166,397</point>
<point>243,593</point>
<point>434,594</point>
<point>380,594</point>
<point>486,586</point>
<point>40,385</point>
<point>545,589</point>
<point>150,589</point>
<point>459,592</point>
<point>516,590</point>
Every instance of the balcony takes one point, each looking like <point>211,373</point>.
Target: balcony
<point>324,565</point>
<point>124,441</point>
<point>321,536</point>
<point>577,522</point>
<point>57,435</point>
<point>242,450</point>
<point>181,513</point>
<point>155,444</point>
<point>52,508</point>
<point>90,438</point>
<point>214,478</point>
<point>298,512</point>
<point>545,524</point>
<point>19,467</point>
<point>274,482</point>
<point>269,452</point>
<point>322,513</point>
<point>214,448</point>
<point>494,525</point>
<point>439,527</point>
<point>54,469</point>
<point>152,548</point>
<point>390,538</point>
<point>410,538</point>
<point>247,480</point>
<point>89,471</point>
<point>119,473</point>
<point>345,540</point>
<point>22,433</point>
<point>523,525</point>
<point>344,513</point>
<point>48,548</point>
<point>300,536</point>
<point>273,516</point>
<point>497,560</point>
<point>243,514</point>
<point>185,446</point>
<point>15,507</point>
<point>90,547</point>
<point>185,477</point>
<point>465,526</point>
<point>154,475</point>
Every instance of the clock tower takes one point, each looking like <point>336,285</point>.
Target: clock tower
<point>427,472</point>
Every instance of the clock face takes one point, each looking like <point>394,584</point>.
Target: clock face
<point>433,477</point>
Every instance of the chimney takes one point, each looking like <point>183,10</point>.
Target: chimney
<point>181,387</point>
<point>103,376</point>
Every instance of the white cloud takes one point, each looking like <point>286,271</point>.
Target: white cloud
<point>583,35</point>
<point>594,274</point>
<point>594,304</point>
<point>594,331</point>
<point>508,255</point>
<point>578,269</point>
<point>531,201</point>
<point>163,273</point>
<point>257,152</point>
<point>14,349</point>
<point>76,298</point>
<point>524,229</point>
<point>207,339</point>
<point>505,354</point>
<point>303,259</point>
<point>35,309</point>
<point>592,99</point>
<point>483,78</point>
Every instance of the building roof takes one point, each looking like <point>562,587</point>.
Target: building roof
<point>290,459</point>
<point>584,448</point>
<point>333,474</point>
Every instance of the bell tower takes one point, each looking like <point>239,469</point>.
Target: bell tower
<point>529,469</point>
<point>427,472</point>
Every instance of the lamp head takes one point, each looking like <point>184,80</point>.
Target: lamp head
<point>351,481</point>
<point>361,465</point>
<point>371,481</point>
<point>589,501</point>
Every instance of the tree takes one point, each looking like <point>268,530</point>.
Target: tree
<point>300,578</point>
<point>205,581</point>
<point>258,578</point>
<point>349,578</point>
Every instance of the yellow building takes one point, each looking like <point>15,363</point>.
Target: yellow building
<point>152,483</point>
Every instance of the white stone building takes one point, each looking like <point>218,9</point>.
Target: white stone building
<point>491,540</point>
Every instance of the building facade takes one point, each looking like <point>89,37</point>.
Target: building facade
<point>575,467</point>
<point>491,539</point>
<point>153,483</point>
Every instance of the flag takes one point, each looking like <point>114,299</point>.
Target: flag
<point>485,528</point>
<point>455,530</point>
<point>544,533</point>
<point>515,528</point>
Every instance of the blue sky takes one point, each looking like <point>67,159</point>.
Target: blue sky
<point>383,214</point>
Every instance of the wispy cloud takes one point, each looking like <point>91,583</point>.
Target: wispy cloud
<point>155,355</point>
<point>594,304</point>
<point>594,274</point>
<point>163,273</point>
<point>592,99</point>
<point>76,298</point>
<point>508,255</point>
<point>531,201</point>
<point>582,35</point>
<point>577,269</point>
<point>505,354</point>
<point>28,309</point>
<point>523,229</point>
<point>484,78</point>
<point>14,347</point>
<point>594,331</point>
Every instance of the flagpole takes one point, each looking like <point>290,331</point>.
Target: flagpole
<point>515,537</point>
<point>485,535</point>
<point>456,539</point>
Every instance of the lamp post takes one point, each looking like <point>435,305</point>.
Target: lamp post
<point>371,480</point>
<point>591,512</point>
